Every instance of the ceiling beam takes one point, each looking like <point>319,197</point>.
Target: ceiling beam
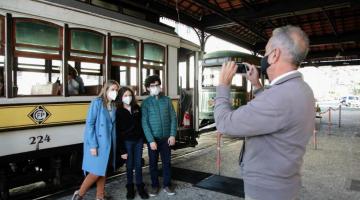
<point>229,18</point>
<point>231,38</point>
<point>162,10</point>
<point>280,9</point>
<point>325,39</point>
<point>333,53</point>
<point>332,63</point>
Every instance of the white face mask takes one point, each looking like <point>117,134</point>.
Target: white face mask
<point>154,91</point>
<point>127,100</point>
<point>112,95</point>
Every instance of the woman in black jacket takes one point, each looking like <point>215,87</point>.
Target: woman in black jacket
<point>130,139</point>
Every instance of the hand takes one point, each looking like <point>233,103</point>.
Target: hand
<point>153,146</point>
<point>171,141</point>
<point>93,151</point>
<point>124,156</point>
<point>227,73</point>
<point>253,76</point>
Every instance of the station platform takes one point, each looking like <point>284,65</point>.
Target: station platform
<point>331,171</point>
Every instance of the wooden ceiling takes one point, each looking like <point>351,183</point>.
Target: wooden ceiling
<point>333,26</point>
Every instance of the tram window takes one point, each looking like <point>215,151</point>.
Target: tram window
<point>182,74</point>
<point>123,81</point>
<point>133,76</point>
<point>37,44</point>
<point>37,76</point>
<point>2,75</point>
<point>124,60</point>
<point>56,67</point>
<point>211,77</point>
<point>153,61</point>
<point>87,49</point>
<point>191,71</point>
<point>91,76</point>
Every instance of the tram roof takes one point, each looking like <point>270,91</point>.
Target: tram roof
<point>332,25</point>
<point>220,54</point>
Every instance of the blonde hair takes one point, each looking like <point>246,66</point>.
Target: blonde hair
<point>105,88</point>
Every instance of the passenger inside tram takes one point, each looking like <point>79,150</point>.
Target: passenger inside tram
<point>75,82</point>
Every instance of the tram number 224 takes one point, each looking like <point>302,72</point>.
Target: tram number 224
<point>39,139</point>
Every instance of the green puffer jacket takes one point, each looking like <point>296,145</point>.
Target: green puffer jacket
<point>158,118</point>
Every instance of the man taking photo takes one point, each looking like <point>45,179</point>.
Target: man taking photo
<point>277,124</point>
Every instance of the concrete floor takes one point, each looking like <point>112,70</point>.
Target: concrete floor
<point>327,171</point>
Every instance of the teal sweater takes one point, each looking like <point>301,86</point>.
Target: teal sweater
<point>158,118</point>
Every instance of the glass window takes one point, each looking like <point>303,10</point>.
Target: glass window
<point>154,60</point>
<point>91,73</point>
<point>36,38</point>
<point>154,52</point>
<point>124,61</point>
<point>124,47</point>
<point>87,45</point>
<point>36,76</point>
<point>2,75</point>
<point>133,75</point>
<point>182,74</point>
<point>2,35</point>
<point>123,81</point>
<point>211,77</point>
<point>191,71</point>
<point>87,52</point>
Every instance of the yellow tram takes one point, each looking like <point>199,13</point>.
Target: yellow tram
<point>41,122</point>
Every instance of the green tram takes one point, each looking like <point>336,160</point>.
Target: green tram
<point>240,88</point>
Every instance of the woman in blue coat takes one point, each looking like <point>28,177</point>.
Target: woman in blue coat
<point>99,140</point>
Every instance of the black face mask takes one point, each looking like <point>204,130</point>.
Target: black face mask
<point>265,64</point>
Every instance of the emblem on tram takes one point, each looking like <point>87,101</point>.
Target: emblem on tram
<point>39,115</point>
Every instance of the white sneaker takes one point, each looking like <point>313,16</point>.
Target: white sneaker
<point>169,191</point>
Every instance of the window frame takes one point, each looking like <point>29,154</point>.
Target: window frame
<point>118,63</point>
<point>2,41</point>
<point>37,55</point>
<point>155,67</point>
<point>84,59</point>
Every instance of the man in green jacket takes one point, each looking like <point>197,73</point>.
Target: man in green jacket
<point>159,124</point>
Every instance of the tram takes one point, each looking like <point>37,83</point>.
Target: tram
<point>240,88</point>
<point>41,122</point>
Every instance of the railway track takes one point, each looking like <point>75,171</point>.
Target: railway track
<point>71,181</point>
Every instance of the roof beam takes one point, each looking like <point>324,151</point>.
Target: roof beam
<point>332,63</point>
<point>229,18</point>
<point>163,10</point>
<point>231,38</point>
<point>333,53</point>
<point>279,9</point>
<point>325,39</point>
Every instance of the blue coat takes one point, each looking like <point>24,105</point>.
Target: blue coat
<point>99,133</point>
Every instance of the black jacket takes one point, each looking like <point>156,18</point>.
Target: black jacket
<point>128,126</point>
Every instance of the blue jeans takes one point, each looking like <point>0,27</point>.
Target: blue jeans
<point>165,152</point>
<point>134,151</point>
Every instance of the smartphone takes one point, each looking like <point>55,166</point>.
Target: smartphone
<point>242,68</point>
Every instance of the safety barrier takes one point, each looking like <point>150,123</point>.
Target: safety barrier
<point>218,152</point>
<point>318,115</point>
<point>329,110</point>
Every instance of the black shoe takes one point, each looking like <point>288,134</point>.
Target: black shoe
<point>142,191</point>
<point>130,191</point>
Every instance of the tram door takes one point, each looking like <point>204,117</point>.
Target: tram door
<point>187,84</point>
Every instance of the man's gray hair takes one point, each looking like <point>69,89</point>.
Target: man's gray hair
<point>292,41</point>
